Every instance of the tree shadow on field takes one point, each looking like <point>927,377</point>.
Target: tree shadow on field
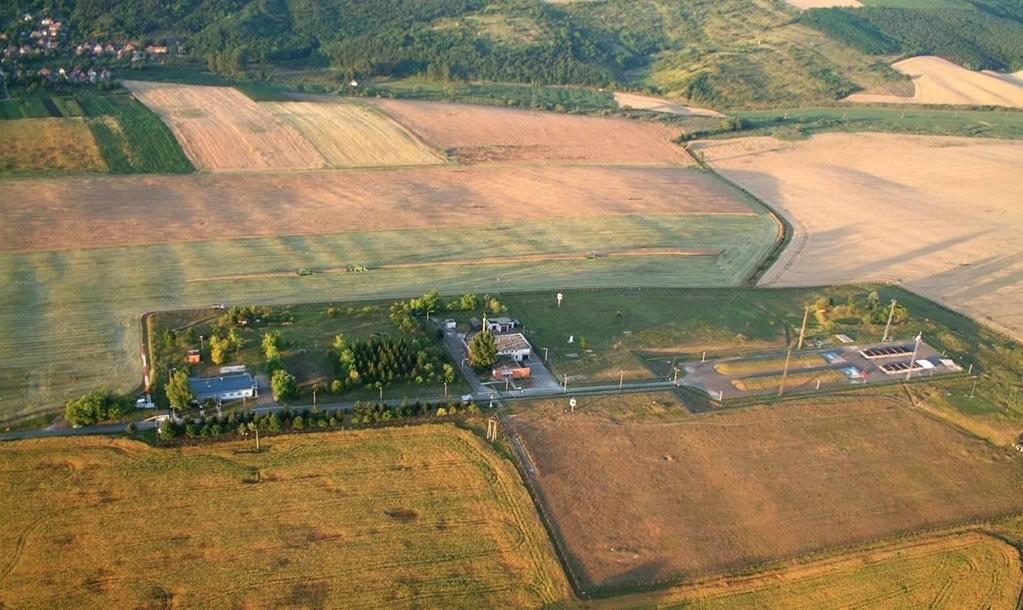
<point>647,575</point>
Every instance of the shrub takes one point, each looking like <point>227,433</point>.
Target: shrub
<point>94,407</point>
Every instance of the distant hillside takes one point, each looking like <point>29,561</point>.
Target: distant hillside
<point>979,34</point>
<point>721,53</point>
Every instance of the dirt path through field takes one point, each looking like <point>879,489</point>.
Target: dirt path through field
<point>942,215</point>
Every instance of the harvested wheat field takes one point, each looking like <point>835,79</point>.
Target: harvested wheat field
<point>108,211</point>
<point>939,81</point>
<point>376,518</point>
<point>939,572</point>
<point>655,104</point>
<point>352,134</point>
<point>942,215</point>
<point>219,128</point>
<point>644,499</point>
<point>480,134</point>
<point>37,145</point>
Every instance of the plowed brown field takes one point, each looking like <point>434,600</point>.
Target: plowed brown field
<point>221,129</point>
<point>942,215</point>
<point>478,134</point>
<point>107,211</point>
<point>646,499</point>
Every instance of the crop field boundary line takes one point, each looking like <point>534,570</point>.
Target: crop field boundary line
<point>785,227</point>
<point>532,487</point>
<point>817,564</point>
<point>509,260</point>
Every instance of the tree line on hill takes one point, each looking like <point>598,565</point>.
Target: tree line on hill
<point>384,37</point>
<point>986,37</point>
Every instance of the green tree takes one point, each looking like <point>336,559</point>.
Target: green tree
<point>283,384</point>
<point>236,341</point>
<point>449,373</point>
<point>218,349</point>
<point>271,346</point>
<point>168,431</point>
<point>483,350</point>
<point>178,392</point>
<point>94,407</point>
<point>169,339</point>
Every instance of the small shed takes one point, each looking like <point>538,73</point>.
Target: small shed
<point>502,324</point>
<point>193,357</point>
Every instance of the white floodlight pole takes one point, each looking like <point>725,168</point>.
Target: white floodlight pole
<point>784,373</point>
<point>621,379</point>
<point>888,326</point>
<point>802,330</point>
<point>912,361</point>
<point>566,382</point>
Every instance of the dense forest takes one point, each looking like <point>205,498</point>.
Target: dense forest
<point>459,39</point>
<point>989,36</point>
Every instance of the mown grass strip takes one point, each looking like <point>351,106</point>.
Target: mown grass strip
<point>766,365</point>
<point>773,382</point>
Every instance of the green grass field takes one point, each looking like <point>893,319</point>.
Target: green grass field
<point>560,99</point>
<point>130,137</point>
<point>374,518</point>
<point>802,122</point>
<point>71,318</point>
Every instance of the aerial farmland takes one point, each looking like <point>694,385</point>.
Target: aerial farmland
<point>642,211</point>
<point>532,304</point>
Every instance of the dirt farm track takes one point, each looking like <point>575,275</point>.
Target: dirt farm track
<point>940,214</point>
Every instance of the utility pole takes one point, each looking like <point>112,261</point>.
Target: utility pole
<point>566,383</point>
<point>621,379</point>
<point>784,374</point>
<point>802,330</point>
<point>912,361</point>
<point>314,397</point>
<point>545,355</point>
<point>888,326</point>
<point>492,430</point>
<point>675,380</point>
